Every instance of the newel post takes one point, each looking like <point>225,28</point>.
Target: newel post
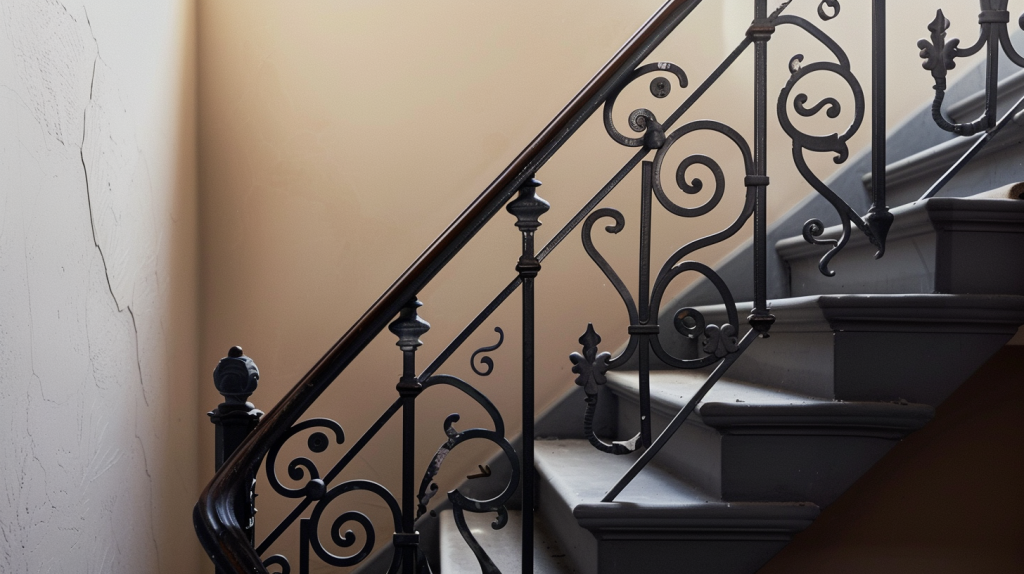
<point>236,378</point>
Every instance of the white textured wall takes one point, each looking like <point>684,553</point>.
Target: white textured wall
<point>97,286</point>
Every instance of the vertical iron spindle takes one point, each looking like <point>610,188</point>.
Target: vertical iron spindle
<point>408,327</point>
<point>527,208</point>
<point>760,31</point>
<point>647,188</point>
<point>878,218</point>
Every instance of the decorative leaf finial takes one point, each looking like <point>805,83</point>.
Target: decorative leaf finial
<point>939,55</point>
<point>590,366</point>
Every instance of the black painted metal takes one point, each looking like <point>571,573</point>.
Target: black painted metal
<point>712,346</point>
<point>408,327</point>
<point>527,209</point>
<point>940,57</point>
<point>878,218</point>
<point>236,378</point>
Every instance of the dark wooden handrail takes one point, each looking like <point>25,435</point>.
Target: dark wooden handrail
<point>214,514</point>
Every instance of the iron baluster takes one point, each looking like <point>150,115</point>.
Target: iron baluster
<point>878,218</point>
<point>527,209</point>
<point>644,329</point>
<point>760,31</point>
<point>408,327</point>
<point>940,57</point>
<point>236,378</point>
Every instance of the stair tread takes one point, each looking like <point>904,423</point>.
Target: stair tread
<point>581,475</point>
<point>731,402</point>
<point>502,546</point>
<point>875,309</point>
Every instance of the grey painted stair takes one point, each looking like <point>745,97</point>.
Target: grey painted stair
<point>751,443</point>
<point>853,364</point>
<point>941,245</point>
<point>502,546</point>
<point>659,523</point>
<point>997,163</point>
<point>914,348</point>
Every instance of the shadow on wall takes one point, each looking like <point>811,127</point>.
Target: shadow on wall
<point>947,499</point>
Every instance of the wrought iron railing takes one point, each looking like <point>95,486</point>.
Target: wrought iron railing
<point>223,516</point>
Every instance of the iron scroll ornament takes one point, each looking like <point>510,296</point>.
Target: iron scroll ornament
<point>460,502</point>
<point>318,443</point>
<point>940,57</point>
<point>642,120</point>
<point>719,341</point>
<point>487,361</point>
<point>875,227</point>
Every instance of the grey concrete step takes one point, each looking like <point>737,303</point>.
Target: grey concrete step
<point>502,546</point>
<point>908,178</point>
<point>745,442</point>
<point>659,523</point>
<point>941,245</point>
<point>914,348</point>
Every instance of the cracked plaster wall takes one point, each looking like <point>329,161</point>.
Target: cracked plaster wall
<point>97,286</point>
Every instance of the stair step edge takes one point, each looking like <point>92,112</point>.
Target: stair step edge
<point>744,414</point>
<point>920,218</point>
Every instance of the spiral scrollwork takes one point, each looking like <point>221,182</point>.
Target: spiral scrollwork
<point>836,142</point>
<point>487,361</point>
<point>300,466</point>
<point>643,120</point>
<point>828,9</point>
<point>278,560</point>
<point>460,502</point>
<point>343,538</point>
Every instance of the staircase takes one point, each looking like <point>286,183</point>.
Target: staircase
<point>854,364</point>
<point>746,430</point>
<point>801,417</point>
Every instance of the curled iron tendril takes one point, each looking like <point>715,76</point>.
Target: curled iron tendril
<point>834,108</point>
<point>317,443</point>
<point>460,502</point>
<point>836,143</point>
<point>487,360</point>
<point>343,538</point>
<point>278,560</point>
<point>643,120</point>
<point>827,15</point>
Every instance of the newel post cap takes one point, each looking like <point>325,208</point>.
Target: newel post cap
<point>236,376</point>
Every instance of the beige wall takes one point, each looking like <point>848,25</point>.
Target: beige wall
<point>338,138</point>
<point>98,276</point>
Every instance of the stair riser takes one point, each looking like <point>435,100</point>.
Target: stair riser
<point>783,464</point>
<point>632,553</point>
<point>997,166</point>
<point>694,453</point>
<point>917,367</point>
<point>577,542</point>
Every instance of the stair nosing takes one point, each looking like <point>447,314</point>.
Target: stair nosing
<point>936,312</point>
<point>711,513</point>
<point>815,417</point>
<point>920,218</point>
